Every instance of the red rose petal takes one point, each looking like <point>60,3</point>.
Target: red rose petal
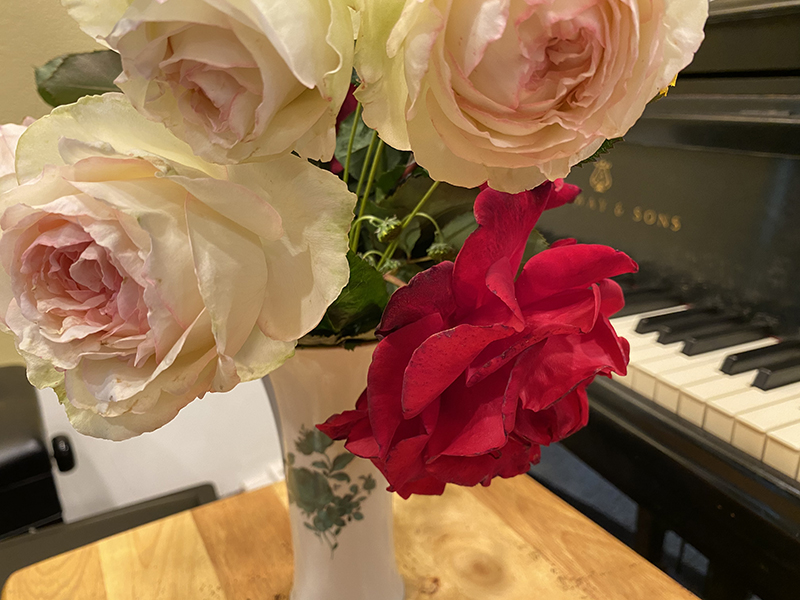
<point>428,486</point>
<point>543,375</point>
<point>361,440</point>
<point>505,223</point>
<point>428,292</point>
<point>440,359</point>
<point>565,267</point>
<point>338,427</point>
<point>572,312</point>
<point>514,459</point>
<point>613,300</point>
<point>500,281</point>
<point>471,419</point>
<point>553,424</point>
<point>385,377</point>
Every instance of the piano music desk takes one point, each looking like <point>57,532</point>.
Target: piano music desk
<point>513,540</point>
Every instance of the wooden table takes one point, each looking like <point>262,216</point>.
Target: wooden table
<point>511,541</point>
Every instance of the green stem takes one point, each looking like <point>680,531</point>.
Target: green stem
<point>356,117</point>
<point>372,219</point>
<point>435,224</point>
<point>367,162</point>
<point>355,231</point>
<point>393,246</point>
<point>370,182</point>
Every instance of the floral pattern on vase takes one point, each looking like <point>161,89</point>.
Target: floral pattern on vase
<point>340,511</point>
<point>325,492</point>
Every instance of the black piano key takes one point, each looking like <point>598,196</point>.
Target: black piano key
<point>784,373</point>
<point>717,341</point>
<point>761,357</point>
<point>713,324</point>
<point>691,315</point>
<point>637,303</point>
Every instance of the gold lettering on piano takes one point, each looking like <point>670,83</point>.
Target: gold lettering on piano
<point>639,214</point>
<point>600,179</point>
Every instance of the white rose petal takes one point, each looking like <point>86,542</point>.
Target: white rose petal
<point>514,92</point>
<point>236,79</point>
<point>137,277</point>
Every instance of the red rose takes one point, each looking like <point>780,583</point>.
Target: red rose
<point>479,362</point>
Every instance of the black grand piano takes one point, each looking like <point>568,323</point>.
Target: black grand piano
<point>704,432</point>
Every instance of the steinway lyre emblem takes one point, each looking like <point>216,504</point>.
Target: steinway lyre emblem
<point>601,180</point>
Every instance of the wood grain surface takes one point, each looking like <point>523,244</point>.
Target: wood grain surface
<point>512,541</point>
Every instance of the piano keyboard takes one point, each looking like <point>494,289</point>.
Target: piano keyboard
<point>764,423</point>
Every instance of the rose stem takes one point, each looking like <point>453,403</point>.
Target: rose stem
<point>372,143</point>
<point>373,171</point>
<point>362,178</point>
<point>393,246</point>
<point>356,117</point>
<point>435,224</point>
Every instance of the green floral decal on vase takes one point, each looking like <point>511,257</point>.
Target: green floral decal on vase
<point>326,493</point>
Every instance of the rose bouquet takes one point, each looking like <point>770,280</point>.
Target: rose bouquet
<point>325,172</point>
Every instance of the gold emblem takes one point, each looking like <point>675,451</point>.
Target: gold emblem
<point>601,180</point>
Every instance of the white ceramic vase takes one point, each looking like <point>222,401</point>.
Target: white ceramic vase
<point>340,511</point>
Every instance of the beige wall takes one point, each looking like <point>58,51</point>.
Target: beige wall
<point>31,33</point>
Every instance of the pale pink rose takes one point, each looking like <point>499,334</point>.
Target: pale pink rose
<point>9,136</point>
<point>137,277</point>
<point>236,80</point>
<point>516,91</point>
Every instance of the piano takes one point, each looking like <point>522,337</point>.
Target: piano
<point>704,431</point>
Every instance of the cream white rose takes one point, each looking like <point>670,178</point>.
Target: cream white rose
<point>137,277</point>
<point>236,79</point>
<point>516,91</point>
<point>9,136</point>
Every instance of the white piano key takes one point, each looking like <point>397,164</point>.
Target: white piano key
<point>721,413</point>
<point>782,451</point>
<point>751,428</point>
<point>670,384</point>
<point>645,374</point>
<point>693,398</point>
<point>639,341</point>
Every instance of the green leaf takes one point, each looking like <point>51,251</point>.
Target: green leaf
<point>320,464</point>
<point>308,489</point>
<point>290,459</point>
<point>410,236</point>
<point>341,476</point>
<point>459,228</point>
<point>447,202</point>
<point>359,307</point>
<point>67,78</point>
<point>358,516</point>
<point>341,461</point>
<point>311,441</point>
<point>322,522</point>
<point>369,483</point>
<point>604,148</point>
<point>354,489</point>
